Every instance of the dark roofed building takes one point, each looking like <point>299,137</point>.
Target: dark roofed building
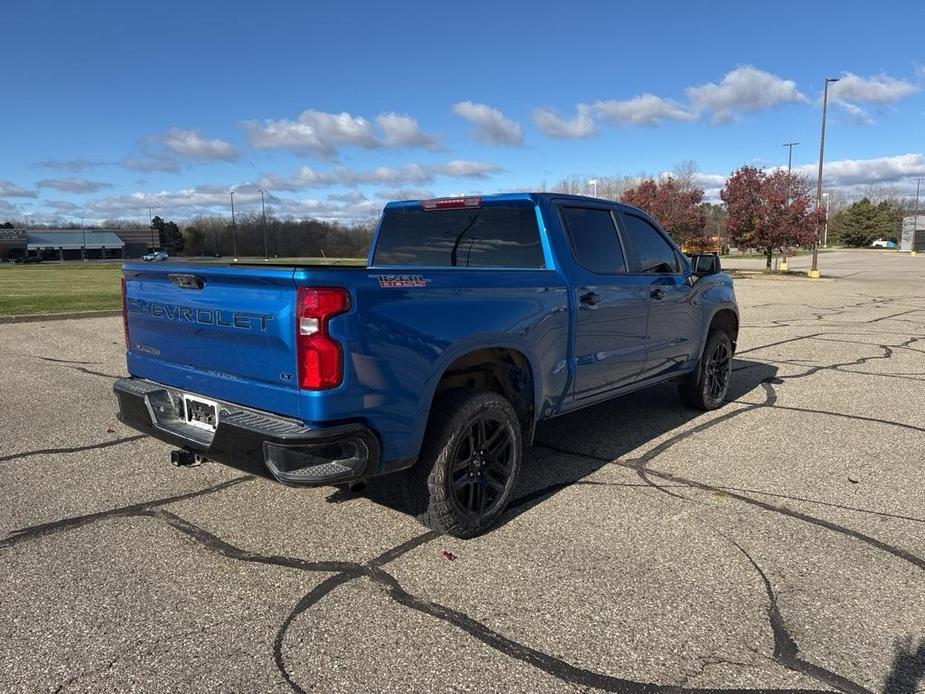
<point>68,244</point>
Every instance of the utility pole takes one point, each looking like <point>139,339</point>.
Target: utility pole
<point>151,227</point>
<point>593,182</point>
<point>814,271</point>
<point>790,146</point>
<point>234,231</point>
<point>266,253</point>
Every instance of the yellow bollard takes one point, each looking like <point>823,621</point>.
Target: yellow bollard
<point>813,274</point>
<point>783,266</point>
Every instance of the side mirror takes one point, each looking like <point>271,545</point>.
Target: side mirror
<point>704,264</point>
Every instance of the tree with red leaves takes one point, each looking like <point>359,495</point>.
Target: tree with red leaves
<point>769,211</point>
<point>674,206</point>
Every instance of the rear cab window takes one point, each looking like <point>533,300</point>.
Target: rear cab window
<point>594,240</point>
<point>488,237</point>
<point>654,253</point>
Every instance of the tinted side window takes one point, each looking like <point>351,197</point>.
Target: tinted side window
<point>484,237</point>
<point>654,253</point>
<point>594,239</point>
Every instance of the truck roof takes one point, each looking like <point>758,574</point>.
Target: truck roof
<point>500,198</point>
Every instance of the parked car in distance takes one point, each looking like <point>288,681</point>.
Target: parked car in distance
<point>474,320</point>
<point>157,255</point>
<point>883,243</point>
<point>28,259</point>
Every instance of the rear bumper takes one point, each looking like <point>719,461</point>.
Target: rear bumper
<point>291,452</point>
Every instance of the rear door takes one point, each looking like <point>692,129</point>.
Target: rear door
<point>610,304</point>
<point>227,332</point>
<point>674,320</point>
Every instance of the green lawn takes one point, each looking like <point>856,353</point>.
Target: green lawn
<point>58,288</point>
<point>53,287</point>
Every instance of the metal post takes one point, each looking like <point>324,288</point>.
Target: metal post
<point>234,231</point>
<point>814,271</point>
<point>83,247</point>
<point>915,217</point>
<point>790,146</point>
<point>151,227</point>
<point>266,252</point>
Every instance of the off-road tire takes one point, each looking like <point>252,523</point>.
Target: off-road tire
<point>700,389</point>
<point>431,481</point>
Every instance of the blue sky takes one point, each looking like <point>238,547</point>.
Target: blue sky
<point>114,107</point>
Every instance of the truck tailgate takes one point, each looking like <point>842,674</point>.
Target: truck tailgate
<point>228,332</point>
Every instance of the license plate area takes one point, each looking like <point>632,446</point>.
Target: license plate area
<point>200,413</point>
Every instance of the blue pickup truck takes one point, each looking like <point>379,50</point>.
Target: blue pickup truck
<point>474,319</point>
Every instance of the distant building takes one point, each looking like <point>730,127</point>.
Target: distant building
<point>74,244</point>
<point>913,237</point>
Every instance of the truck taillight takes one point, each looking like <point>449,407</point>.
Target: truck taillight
<point>128,344</point>
<point>320,357</point>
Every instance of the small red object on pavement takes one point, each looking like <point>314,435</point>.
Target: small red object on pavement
<point>449,556</point>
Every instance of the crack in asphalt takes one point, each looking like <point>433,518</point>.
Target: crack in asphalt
<point>786,651</point>
<point>372,570</point>
<point>898,552</point>
<point>33,532</point>
<point>346,571</point>
<point>74,449</point>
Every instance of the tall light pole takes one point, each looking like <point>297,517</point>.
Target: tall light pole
<point>151,227</point>
<point>814,271</point>
<point>790,146</point>
<point>593,182</point>
<point>266,253</point>
<point>234,231</point>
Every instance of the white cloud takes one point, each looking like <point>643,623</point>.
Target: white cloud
<point>846,173</point>
<point>405,194</point>
<point>744,89</point>
<point>8,210</point>
<point>73,185</point>
<point>61,206</point>
<point>8,189</point>
<point>191,144</point>
<point>408,174</point>
<point>212,199</point>
<point>579,127</point>
<point>646,109</point>
<point>321,134</point>
<point>491,126</point>
<point>72,165</point>
<point>856,113</point>
<point>460,168</point>
<point>152,162</point>
<point>879,89</point>
<point>403,131</point>
<point>353,196</point>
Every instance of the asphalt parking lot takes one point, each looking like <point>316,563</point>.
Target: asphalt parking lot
<point>777,544</point>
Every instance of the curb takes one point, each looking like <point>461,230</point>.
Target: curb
<point>39,317</point>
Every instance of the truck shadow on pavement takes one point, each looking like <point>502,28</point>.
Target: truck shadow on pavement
<point>601,435</point>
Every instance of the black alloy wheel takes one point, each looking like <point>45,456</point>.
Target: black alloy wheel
<point>482,466</point>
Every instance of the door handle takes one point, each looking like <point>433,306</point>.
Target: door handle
<point>590,298</point>
<point>657,293</point>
